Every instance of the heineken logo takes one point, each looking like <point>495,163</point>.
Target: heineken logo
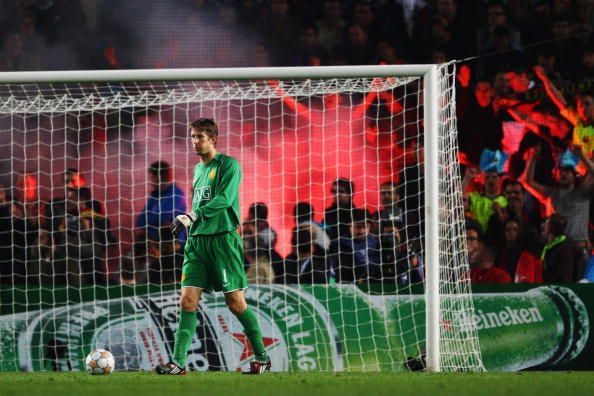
<point>303,328</point>
<point>507,316</point>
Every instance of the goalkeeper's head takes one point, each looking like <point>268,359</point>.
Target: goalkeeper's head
<point>204,134</point>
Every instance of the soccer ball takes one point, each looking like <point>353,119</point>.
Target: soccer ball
<point>99,362</point>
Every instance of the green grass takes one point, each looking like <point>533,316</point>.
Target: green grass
<point>302,384</point>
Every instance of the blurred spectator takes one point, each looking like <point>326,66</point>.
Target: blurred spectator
<point>304,214</point>
<point>164,203</point>
<point>443,24</point>
<point>474,239</point>
<point>279,29</point>
<point>82,241</point>
<point>563,260</point>
<point>16,56</point>
<point>309,52</point>
<point>484,269</point>
<point>565,47</point>
<point>338,217</point>
<point>306,264</point>
<point>390,209</point>
<point>61,20</point>
<point>259,268</point>
<point>363,15</point>
<point>517,209</point>
<point>392,258</point>
<point>56,210</point>
<point>478,126</point>
<point>390,17</point>
<point>386,54</point>
<point>266,235</point>
<point>26,222</point>
<point>521,15</point>
<point>399,261</point>
<point>519,254</point>
<point>496,16</point>
<point>357,50</point>
<point>484,203</point>
<point>570,197</point>
<point>331,26</point>
<point>358,254</point>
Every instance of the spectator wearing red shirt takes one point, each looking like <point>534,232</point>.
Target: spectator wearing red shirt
<point>485,271</point>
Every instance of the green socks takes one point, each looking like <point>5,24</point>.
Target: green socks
<point>251,328</point>
<point>183,336</point>
<point>187,328</point>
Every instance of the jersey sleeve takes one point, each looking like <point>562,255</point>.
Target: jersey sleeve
<point>226,192</point>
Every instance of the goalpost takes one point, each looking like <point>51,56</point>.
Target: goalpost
<point>295,131</point>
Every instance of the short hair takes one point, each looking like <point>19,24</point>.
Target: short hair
<point>346,184</point>
<point>161,169</point>
<point>303,211</point>
<point>258,211</point>
<point>207,125</point>
<point>557,224</point>
<point>473,225</point>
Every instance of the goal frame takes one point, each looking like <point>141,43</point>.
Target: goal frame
<point>429,74</point>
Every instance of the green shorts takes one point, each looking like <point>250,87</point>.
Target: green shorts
<point>214,263</point>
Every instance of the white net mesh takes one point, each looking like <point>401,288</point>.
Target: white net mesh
<point>332,205</point>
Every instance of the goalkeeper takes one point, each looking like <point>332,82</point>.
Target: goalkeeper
<point>213,255</point>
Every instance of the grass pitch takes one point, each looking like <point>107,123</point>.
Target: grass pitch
<point>302,384</point>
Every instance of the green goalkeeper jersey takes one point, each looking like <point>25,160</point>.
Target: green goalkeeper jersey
<point>216,196</point>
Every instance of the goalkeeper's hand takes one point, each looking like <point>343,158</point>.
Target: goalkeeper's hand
<point>183,221</point>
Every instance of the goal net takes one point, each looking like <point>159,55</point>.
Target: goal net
<point>351,205</point>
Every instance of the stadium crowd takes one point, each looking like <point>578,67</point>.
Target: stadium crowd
<point>525,108</point>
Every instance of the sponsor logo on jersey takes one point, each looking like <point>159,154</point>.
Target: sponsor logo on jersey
<point>202,194</point>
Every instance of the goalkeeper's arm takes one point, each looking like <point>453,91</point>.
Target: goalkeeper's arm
<point>183,221</point>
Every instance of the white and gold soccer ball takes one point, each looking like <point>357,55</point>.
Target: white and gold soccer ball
<point>99,362</point>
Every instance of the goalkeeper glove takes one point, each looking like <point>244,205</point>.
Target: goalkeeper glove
<point>183,221</point>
